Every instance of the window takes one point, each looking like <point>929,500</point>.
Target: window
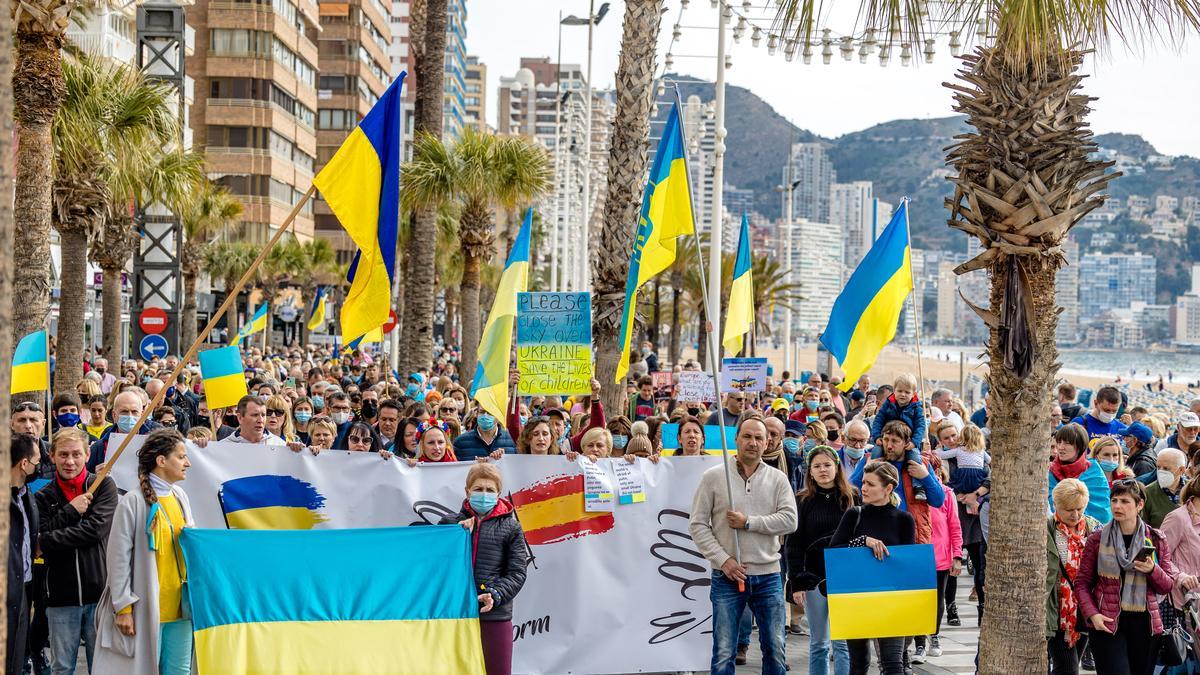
<point>332,118</point>
<point>334,83</point>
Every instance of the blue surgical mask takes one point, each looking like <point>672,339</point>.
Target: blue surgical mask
<point>524,419</point>
<point>791,445</point>
<point>125,423</point>
<point>1108,465</point>
<point>788,397</point>
<point>485,422</point>
<point>411,389</point>
<point>620,441</point>
<point>483,502</point>
<point>854,453</point>
<point>812,405</point>
<point>318,402</point>
<point>66,420</point>
<point>303,416</point>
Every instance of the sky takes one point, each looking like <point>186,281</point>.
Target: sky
<point>1152,93</point>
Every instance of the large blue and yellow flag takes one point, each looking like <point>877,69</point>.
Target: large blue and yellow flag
<point>361,184</point>
<point>666,215</point>
<point>31,364</point>
<point>316,315</point>
<point>740,317</point>
<point>490,386</point>
<point>871,598</point>
<point>282,601</point>
<point>256,324</point>
<point>866,313</point>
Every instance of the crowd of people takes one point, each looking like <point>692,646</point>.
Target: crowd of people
<point>815,468</point>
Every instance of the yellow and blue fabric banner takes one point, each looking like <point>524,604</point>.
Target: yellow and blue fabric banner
<point>223,375</point>
<point>298,601</point>
<point>865,314</point>
<point>316,315</point>
<point>490,385</point>
<point>361,185</point>
<point>31,364</point>
<point>740,315</point>
<point>257,323</point>
<point>870,598</point>
<point>666,215</point>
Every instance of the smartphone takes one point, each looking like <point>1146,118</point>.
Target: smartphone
<point>870,398</point>
<point>1145,553</point>
<point>290,382</point>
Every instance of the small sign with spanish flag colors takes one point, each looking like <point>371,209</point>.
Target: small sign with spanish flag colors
<point>870,598</point>
<point>31,364</point>
<point>224,380</point>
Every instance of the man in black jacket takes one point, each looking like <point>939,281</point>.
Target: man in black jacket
<point>22,542</point>
<point>74,530</point>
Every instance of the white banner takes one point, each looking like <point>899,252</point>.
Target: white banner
<point>618,592</point>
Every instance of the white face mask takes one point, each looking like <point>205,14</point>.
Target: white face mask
<point>1105,417</point>
<point>1166,479</point>
<point>340,417</point>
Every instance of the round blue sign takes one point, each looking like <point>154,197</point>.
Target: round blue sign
<point>152,346</point>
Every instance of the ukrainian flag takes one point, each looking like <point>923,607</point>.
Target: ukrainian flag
<point>298,601</point>
<point>269,502</point>
<point>490,386</point>
<point>361,184</point>
<point>224,378</point>
<point>870,598</point>
<point>865,315</point>
<point>666,215</point>
<point>316,316</point>
<point>31,364</point>
<point>740,317</point>
<point>256,324</point>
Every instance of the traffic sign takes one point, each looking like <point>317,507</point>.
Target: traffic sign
<point>152,346</point>
<point>391,322</point>
<point>153,320</point>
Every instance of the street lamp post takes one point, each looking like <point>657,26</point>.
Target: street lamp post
<point>714,253</point>
<point>585,268</point>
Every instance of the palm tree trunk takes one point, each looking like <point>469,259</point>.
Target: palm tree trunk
<point>626,170</point>
<point>113,346</point>
<point>38,90</point>
<point>71,300</point>
<point>417,335</point>
<point>187,323</point>
<point>676,283</point>
<point>6,267</point>
<point>469,339</point>
<point>269,298</point>
<point>701,337</point>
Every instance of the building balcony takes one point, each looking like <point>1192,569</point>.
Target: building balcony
<point>104,44</point>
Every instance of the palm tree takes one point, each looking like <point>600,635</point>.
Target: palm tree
<point>626,178</point>
<point>1024,178</point>
<point>429,40</point>
<point>283,263</point>
<point>37,90</point>
<point>210,212</point>
<point>6,262</point>
<point>228,261</point>
<point>112,122</point>
<point>317,266</point>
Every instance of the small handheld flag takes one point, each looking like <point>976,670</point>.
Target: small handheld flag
<point>740,318</point>
<point>871,598</point>
<point>490,387</point>
<point>224,379</point>
<point>316,316</point>
<point>257,323</point>
<point>361,184</point>
<point>31,364</point>
<point>865,314</point>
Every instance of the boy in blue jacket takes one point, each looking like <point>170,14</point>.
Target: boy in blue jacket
<point>903,405</point>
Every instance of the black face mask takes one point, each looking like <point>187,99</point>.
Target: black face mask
<point>202,421</point>
<point>693,411</point>
<point>370,409</point>
<point>833,434</point>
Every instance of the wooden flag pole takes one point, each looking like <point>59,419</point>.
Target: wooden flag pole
<point>49,383</point>
<point>230,298</point>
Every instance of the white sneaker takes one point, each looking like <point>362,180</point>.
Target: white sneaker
<point>935,646</point>
<point>918,655</point>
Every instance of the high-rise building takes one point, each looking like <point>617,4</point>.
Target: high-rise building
<point>699,128</point>
<point>106,31</point>
<point>947,300</point>
<point>1187,313</point>
<point>1066,294</point>
<point>852,206</point>
<point>1114,281</point>
<point>817,265</point>
<point>812,172</point>
<point>255,71</point>
<point>355,70</point>
<point>401,57</point>
<point>737,202</point>
<point>454,111</point>
<point>475,94</point>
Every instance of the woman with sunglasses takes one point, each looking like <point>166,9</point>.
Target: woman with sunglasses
<point>362,438</point>
<point>279,418</point>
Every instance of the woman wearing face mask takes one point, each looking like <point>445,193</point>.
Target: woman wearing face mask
<point>143,618</point>
<point>500,556</point>
<point>1071,461</point>
<point>619,428</point>
<point>1107,453</point>
<point>834,422</point>
<point>302,414</point>
<point>819,508</point>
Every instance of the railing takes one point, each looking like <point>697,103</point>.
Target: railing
<point>106,45</point>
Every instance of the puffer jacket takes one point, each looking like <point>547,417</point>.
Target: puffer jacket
<point>1054,571</point>
<point>910,413</point>
<point>1098,595</point>
<point>73,544</point>
<point>499,555</point>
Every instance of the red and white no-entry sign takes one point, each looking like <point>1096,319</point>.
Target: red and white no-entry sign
<point>153,320</point>
<point>391,322</point>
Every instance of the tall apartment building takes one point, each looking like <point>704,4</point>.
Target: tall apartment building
<point>255,111</point>
<point>817,267</point>
<point>813,171</point>
<point>853,207</point>
<point>355,71</point>
<point>1066,294</point>
<point>454,88</point>
<point>1187,313</point>
<point>475,94</point>
<point>1114,281</point>
<point>700,129</point>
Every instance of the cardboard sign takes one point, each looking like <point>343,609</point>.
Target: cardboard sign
<point>744,375</point>
<point>554,343</point>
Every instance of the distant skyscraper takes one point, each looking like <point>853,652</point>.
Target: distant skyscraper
<point>817,267</point>
<point>475,94</point>
<point>1114,281</point>
<point>812,170</point>
<point>454,87</point>
<point>1066,294</point>
<point>737,202</point>
<point>1187,313</point>
<point>852,206</point>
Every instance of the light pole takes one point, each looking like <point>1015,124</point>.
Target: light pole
<point>714,253</point>
<point>583,270</point>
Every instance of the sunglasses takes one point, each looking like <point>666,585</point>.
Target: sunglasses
<point>447,410</point>
<point>360,439</point>
<point>271,412</point>
<point>27,406</point>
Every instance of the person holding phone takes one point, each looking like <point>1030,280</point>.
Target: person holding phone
<point>1126,567</point>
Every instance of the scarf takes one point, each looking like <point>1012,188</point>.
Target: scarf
<point>1116,562</point>
<point>775,458</point>
<point>1070,541</point>
<point>161,489</point>
<point>74,487</point>
<point>1075,469</point>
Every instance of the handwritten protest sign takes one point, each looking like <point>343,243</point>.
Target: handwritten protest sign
<point>554,343</point>
<point>631,484</point>
<point>597,487</point>
<point>695,385</point>
<point>745,375</point>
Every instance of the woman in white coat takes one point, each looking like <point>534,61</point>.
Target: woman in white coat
<point>143,621</point>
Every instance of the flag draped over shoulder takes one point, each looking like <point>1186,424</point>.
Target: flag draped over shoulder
<point>740,317</point>
<point>361,184</point>
<point>865,314</point>
<point>490,386</point>
<point>31,364</point>
<point>666,215</point>
<point>256,323</point>
<point>265,601</point>
<point>316,315</point>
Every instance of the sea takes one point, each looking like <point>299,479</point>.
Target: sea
<point>1143,365</point>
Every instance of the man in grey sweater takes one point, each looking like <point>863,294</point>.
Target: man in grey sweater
<point>763,510</point>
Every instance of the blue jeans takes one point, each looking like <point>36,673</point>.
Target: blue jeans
<point>745,625</point>
<point>764,596</point>
<point>816,606</point>
<point>68,627</point>
<point>175,647</point>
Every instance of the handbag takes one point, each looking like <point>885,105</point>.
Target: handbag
<point>1175,646</point>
